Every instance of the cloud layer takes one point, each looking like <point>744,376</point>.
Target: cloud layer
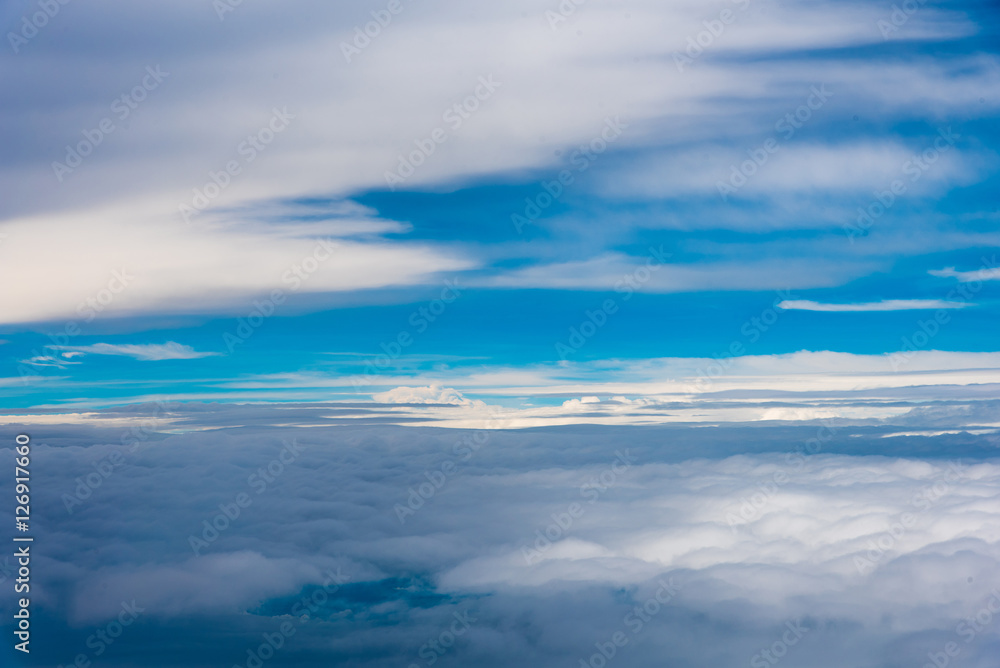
<point>544,540</point>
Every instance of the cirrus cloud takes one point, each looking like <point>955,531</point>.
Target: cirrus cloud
<point>884,305</point>
<point>145,352</point>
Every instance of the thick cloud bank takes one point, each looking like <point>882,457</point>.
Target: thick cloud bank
<point>816,543</point>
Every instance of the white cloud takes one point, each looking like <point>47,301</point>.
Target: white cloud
<point>988,273</point>
<point>134,265</point>
<point>580,405</point>
<point>617,271</point>
<point>146,352</point>
<point>794,168</point>
<point>49,361</point>
<point>425,395</point>
<point>884,305</point>
<point>816,525</point>
<point>795,386</point>
<point>345,136</point>
<point>752,540</point>
<point>173,589</point>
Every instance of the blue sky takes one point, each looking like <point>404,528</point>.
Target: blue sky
<point>642,137</point>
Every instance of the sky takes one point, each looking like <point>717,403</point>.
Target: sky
<point>814,166</point>
<point>719,252</point>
